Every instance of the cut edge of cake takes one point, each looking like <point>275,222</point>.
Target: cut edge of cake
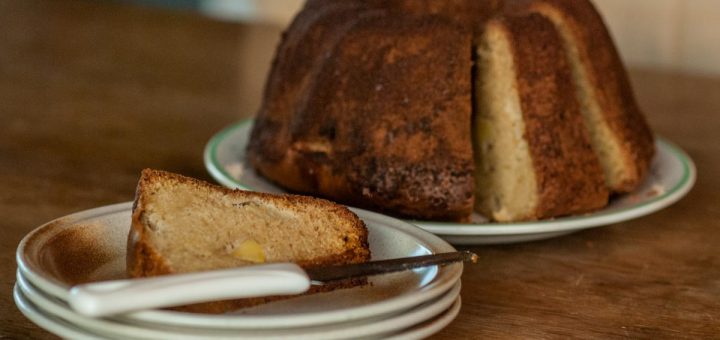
<point>503,165</point>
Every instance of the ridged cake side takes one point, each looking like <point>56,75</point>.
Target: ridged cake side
<point>566,175</point>
<point>618,130</point>
<point>382,125</point>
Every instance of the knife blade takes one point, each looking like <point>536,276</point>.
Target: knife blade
<point>121,296</point>
<point>332,273</point>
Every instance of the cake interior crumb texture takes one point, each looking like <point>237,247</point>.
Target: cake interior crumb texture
<point>196,227</point>
<point>505,183</point>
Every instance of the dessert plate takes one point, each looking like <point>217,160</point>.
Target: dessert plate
<point>90,246</point>
<point>672,175</point>
<point>70,330</point>
<point>117,327</point>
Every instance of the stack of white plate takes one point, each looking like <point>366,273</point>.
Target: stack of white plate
<point>90,246</point>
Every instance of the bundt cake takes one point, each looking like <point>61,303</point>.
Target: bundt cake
<point>519,109</point>
<point>180,224</point>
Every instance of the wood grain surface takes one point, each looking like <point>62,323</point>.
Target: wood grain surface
<point>92,92</point>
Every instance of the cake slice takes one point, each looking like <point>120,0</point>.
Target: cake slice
<point>618,131</point>
<point>181,225</point>
<point>532,153</point>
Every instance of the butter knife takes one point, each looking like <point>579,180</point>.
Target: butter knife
<point>105,298</point>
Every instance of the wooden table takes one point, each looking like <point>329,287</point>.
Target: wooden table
<point>91,93</point>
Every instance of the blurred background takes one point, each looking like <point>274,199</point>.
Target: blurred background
<point>670,36</point>
<point>673,35</point>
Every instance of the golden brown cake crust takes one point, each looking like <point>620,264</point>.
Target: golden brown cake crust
<point>390,141</point>
<point>302,50</point>
<point>144,261</point>
<point>609,81</point>
<point>567,171</point>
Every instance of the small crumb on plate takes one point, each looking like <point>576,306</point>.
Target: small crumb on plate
<point>235,170</point>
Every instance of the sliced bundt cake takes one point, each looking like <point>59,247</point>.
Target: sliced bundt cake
<point>371,103</point>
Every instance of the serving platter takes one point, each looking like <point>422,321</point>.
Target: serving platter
<point>91,246</point>
<point>672,175</point>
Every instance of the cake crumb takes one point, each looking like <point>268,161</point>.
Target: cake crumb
<point>655,190</point>
<point>235,170</point>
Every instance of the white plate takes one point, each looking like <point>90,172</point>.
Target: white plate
<point>117,327</point>
<point>70,330</point>
<point>51,324</point>
<point>672,174</point>
<point>429,327</point>
<point>90,246</point>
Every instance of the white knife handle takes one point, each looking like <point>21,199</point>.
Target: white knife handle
<point>114,297</point>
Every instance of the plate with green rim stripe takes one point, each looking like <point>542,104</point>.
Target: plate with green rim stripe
<point>672,175</point>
